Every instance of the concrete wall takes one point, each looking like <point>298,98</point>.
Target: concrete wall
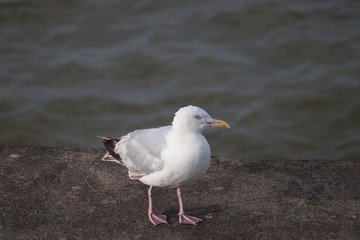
<point>68,193</point>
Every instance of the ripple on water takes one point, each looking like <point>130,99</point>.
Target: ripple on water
<point>285,76</point>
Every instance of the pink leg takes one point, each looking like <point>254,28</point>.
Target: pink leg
<point>183,218</point>
<point>154,218</point>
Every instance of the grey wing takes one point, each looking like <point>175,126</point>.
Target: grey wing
<point>141,150</point>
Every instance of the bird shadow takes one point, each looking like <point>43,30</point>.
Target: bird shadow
<point>203,212</point>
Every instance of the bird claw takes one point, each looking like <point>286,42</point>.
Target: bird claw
<point>157,218</point>
<point>187,219</point>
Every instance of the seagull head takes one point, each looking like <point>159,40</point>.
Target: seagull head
<point>195,119</point>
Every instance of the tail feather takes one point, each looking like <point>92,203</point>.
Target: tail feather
<point>111,155</point>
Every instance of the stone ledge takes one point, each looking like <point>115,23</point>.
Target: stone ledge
<point>68,193</point>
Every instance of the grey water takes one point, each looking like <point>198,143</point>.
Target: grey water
<point>284,74</point>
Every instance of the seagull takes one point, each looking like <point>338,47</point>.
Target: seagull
<point>170,156</point>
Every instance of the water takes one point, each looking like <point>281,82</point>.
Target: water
<point>285,75</point>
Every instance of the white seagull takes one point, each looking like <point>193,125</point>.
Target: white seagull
<point>169,156</point>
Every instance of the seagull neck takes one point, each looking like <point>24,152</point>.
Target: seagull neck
<point>183,132</point>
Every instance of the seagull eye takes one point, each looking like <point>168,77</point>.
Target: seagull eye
<point>197,117</point>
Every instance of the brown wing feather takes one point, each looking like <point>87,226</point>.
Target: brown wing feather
<point>110,143</point>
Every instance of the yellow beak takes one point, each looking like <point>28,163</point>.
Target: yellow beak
<point>219,123</point>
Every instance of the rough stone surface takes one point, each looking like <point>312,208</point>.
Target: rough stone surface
<point>68,193</point>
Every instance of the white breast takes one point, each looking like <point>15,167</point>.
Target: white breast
<point>185,162</point>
